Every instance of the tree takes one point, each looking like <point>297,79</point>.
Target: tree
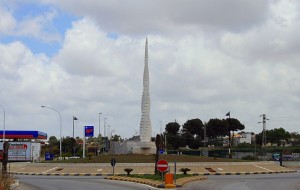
<point>68,144</point>
<point>187,139</point>
<point>295,138</point>
<point>258,138</point>
<point>233,125</point>
<point>116,138</point>
<point>192,132</point>
<point>216,128</point>
<point>53,141</point>
<point>195,143</point>
<point>194,127</point>
<point>277,135</point>
<point>159,145</point>
<point>172,128</point>
<point>172,136</point>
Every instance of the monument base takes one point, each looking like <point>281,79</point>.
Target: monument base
<point>133,147</point>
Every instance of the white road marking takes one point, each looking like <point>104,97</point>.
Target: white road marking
<point>50,170</point>
<point>263,168</point>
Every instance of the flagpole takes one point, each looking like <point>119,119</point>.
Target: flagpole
<point>73,126</point>
<point>229,138</point>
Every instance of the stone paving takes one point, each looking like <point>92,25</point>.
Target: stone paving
<point>210,168</point>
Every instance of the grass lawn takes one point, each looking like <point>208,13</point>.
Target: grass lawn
<point>155,177</point>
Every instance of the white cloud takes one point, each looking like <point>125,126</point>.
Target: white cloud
<point>7,21</point>
<point>38,26</point>
<point>274,42</point>
<point>202,64</point>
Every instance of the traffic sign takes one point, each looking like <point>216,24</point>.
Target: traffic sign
<point>113,162</point>
<point>49,156</point>
<point>88,131</point>
<point>162,165</point>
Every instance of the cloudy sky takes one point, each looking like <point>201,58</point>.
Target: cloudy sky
<point>206,58</point>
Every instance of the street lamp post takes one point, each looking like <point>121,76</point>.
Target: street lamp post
<point>111,133</point>
<point>74,118</point>
<point>111,144</point>
<point>108,131</point>
<point>3,135</point>
<point>60,127</point>
<point>99,123</point>
<point>105,127</point>
<point>105,141</point>
<point>99,134</point>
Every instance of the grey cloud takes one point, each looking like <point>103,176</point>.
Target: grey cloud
<point>144,17</point>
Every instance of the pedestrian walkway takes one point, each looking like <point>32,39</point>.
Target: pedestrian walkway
<point>198,168</point>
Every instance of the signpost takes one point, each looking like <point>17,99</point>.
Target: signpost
<point>88,132</point>
<point>113,163</point>
<point>162,166</point>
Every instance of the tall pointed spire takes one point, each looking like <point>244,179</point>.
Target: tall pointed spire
<point>145,125</point>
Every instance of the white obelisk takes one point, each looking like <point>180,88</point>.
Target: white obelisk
<point>145,125</point>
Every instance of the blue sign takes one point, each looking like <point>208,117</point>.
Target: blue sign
<point>161,151</point>
<point>88,131</point>
<point>49,156</point>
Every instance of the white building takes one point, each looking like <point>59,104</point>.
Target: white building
<point>244,137</point>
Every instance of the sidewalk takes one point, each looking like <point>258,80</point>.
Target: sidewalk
<point>198,168</point>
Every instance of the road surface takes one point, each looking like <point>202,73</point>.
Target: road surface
<point>289,181</point>
<point>75,183</point>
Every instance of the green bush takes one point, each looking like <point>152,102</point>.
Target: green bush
<point>128,170</point>
<point>249,157</point>
<point>90,155</point>
<point>185,170</point>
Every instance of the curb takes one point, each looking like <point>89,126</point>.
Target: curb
<point>137,180</point>
<point>245,173</point>
<point>60,174</point>
<point>196,174</point>
<point>156,184</point>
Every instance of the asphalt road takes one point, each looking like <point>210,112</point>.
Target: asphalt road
<point>289,181</point>
<point>75,183</point>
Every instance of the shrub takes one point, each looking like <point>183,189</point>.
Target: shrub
<point>185,170</point>
<point>6,181</point>
<point>128,170</point>
<point>90,155</point>
<point>248,157</point>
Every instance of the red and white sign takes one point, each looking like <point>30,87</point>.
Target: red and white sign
<point>162,165</point>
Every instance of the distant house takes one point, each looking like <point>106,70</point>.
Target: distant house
<point>243,137</point>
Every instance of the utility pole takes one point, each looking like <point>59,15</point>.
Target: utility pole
<point>264,134</point>
<point>205,138</point>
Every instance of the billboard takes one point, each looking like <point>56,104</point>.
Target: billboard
<point>23,151</point>
<point>88,131</point>
<point>19,151</point>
